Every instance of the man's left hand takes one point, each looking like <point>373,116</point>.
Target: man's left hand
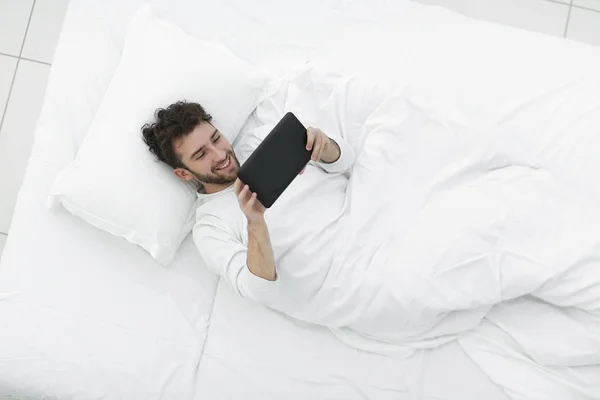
<point>323,148</point>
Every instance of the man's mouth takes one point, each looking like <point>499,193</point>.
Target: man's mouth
<point>225,164</point>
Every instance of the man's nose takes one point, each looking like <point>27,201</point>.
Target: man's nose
<point>221,154</point>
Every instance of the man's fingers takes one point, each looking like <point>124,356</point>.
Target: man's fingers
<point>243,194</point>
<point>322,148</point>
<point>237,186</point>
<point>247,193</point>
<point>310,138</point>
<point>240,196</point>
<point>251,202</point>
<point>317,148</point>
<point>259,206</point>
<point>313,154</point>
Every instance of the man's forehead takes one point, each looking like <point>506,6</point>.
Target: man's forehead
<point>202,131</point>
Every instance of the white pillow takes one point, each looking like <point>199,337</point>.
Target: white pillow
<point>115,183</point>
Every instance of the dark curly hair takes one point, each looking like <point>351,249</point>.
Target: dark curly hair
<point>176,121</point>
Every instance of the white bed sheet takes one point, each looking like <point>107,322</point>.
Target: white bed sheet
<point>255,353</point>
<point>87,315</point>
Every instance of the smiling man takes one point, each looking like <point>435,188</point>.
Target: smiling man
<point>261,254</point>
<point>184,138</point>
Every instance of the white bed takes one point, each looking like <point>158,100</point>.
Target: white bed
<point>86,315</point>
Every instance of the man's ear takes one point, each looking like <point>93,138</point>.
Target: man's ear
<point>183,174</point>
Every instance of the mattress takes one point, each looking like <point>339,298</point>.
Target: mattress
<point>87,315</point>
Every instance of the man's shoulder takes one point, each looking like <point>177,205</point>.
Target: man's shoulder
<point>222,212</point>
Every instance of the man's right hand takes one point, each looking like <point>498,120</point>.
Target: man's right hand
<point>250,205</point>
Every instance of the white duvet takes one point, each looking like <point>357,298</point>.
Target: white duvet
<point>447,223</point>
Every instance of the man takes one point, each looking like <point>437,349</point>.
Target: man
<point>391,262</point>
<point>260,254</point>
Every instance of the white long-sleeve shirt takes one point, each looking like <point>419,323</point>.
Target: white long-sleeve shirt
<point>301,223</point>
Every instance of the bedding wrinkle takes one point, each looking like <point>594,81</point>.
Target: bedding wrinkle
<point>437,236</point>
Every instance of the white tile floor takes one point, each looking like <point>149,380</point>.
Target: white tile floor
<point>29,31</point>
<point>2,241</point>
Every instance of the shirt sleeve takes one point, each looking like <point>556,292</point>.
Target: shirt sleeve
<point>346,160</point>
<point>225,255</point>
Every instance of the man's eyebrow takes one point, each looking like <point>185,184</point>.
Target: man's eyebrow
<point>212,137</point>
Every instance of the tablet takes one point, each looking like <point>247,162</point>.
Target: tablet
<point>277,161</point>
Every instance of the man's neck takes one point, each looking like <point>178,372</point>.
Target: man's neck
<point>214,188</point>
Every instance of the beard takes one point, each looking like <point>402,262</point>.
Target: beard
<point>215,178</point>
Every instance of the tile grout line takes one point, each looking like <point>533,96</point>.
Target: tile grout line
<point>35,61</point>
<point>570,4</point>
<point>585,8</point>
<point>25,58</point>
<point>8,55</point>
<point>558,2</point>
<point>12,82</point>
<point>568,20</point>
<point>27,28</point>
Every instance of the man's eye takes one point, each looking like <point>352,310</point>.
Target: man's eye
<point>200,156</point>
<point>216,139</point>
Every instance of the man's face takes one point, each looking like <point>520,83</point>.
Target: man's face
<point>209,158</point>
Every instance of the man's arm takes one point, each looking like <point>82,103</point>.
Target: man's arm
<point>224,254</point>
<point>260,253</point>
<point>332,155</point>
<point>260,259</point>
<point>339,159</point>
